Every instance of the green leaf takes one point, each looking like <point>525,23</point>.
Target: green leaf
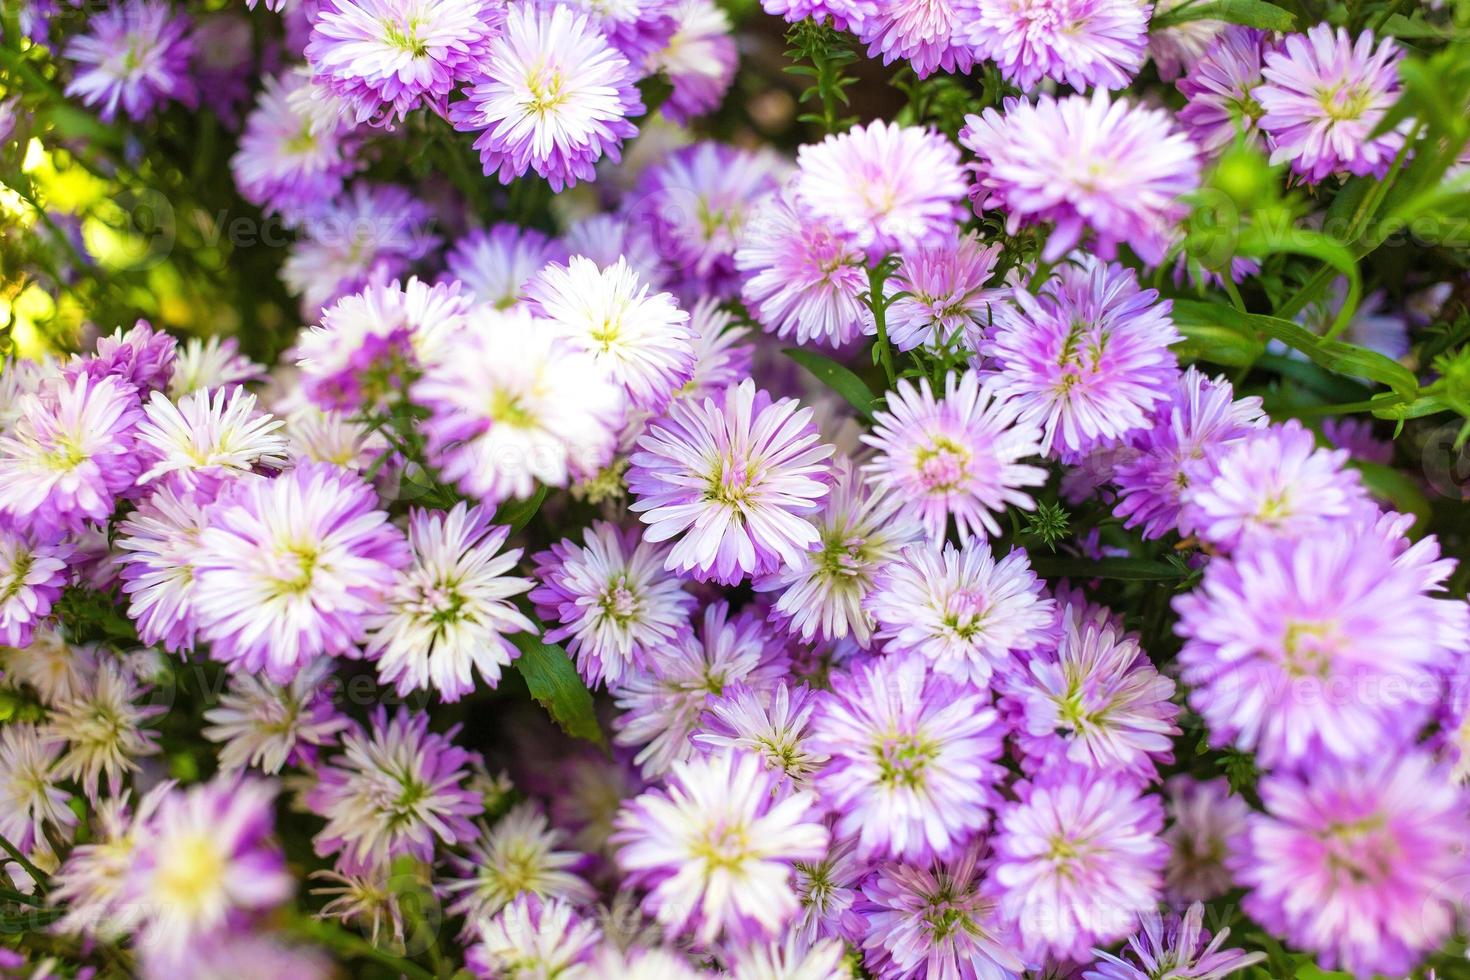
<point>836,377</point>
<point>518,513</point>
<point>1123,569</point>
<point>1395,486</point>
<point>557,687</point>
<point>1260,241</point>
<point>1216,344</point>
<point>1250,13</point>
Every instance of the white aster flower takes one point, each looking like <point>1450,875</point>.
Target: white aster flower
<point>520,855</point>
<point>267,725</point>
<point>103,730</point>
<point>208,363</point>
<point>207,434</point>
<point>29,796</point>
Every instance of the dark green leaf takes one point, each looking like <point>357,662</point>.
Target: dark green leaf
<point>516,514</point>
<point>836,377</point>
<point>1250,13</point>
<point>1217,344</point>
<point>1124,569</point>
<point>557,687</point>
<point>1395,486</point>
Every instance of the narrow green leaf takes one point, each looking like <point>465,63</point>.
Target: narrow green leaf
<point>555,684</point>
<point>1250,13</point>
<point>1395,486</point>
<point>1259,242</point>
<point>1216,344</point>
<point>1123,569</point>
<point>836,377</point>
<point>518,513</point>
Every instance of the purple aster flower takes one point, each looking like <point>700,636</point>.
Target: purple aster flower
<point>533,938</point>
<point>142,357</point>
<point>1077,860</point>
<point>637,339</point>
<point>158,543</point>
<point>722,355</point>
<point>1221,89</point>
<point>1356,436</point>
<point>134,56</point>
<point>715,849</point>
<point>606,238</point>
<point>912,770</point>
<point>1083,165</point>
<point>552,96</point>
<point>883,187</point>
<point>698,60</point>
<point>288,569</point>
<point>937,922</point>
<point>520,855</point>
<point>960,610</point>
<point>941,292</point>
<point>69,456</point>
<point>396,789</point>
<point>496,263</point>
<point>736,479</point>
<point>829,889</point>
<point>295,151</point>
<point>224,60</point>
<point>1318,646</point>
<point>1176,49</point>
<point>695,205</point>
<point>388,57</point>
<point>611,598</point>
<point>1206,818</point>
<point>1203,418</point>
<point>372,234</point>
<point>662,706</point>
<point>771,725</point>
<point>802,280</point>
<point>844,14</point>
<point>637,30</point>
<point>511,405</point>
<point>1096,701</point>
<point>1273,483</point>
<point>1083,43</point>
<point>31,579</point>
<point>1178,947</point>
<point>929,34</point>
<point>959,456</point>
<point>1323,96</point>
<point>1088,360</point>
<point>204,857</point>
<point>270,726</point>
<point>1362,865</point>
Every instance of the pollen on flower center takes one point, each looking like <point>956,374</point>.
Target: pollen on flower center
<point>902,758</point>
<point>1342,103</point>
<point>190,869</point>
<point>942,464</point>
<point>405,38</point>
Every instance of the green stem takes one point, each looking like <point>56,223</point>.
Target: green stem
<point>20,898</point>
<point>355,947</point>
<point>879,305</point>
<point>37,875</point>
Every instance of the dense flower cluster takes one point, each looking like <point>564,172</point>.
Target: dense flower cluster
<point>710,541</point>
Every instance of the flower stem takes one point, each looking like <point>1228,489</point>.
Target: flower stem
<point>37,875</point>
<point>879,305</point>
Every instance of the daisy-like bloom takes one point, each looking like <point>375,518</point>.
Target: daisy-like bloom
<point>1203,417</point>
<point>1177,49</point>
<point>912,768</point>
<point>735,479</point>
<point>935,921</point>
<point>289,569</point>
<point>843,14</point>
<point>495,263</point>
<point>1357,437</point>
<point>715,848</point>
<point>397,788</point>
<point>1205,820</point>
<point>371,900</point>
<point>1274,483</point>
<point>861,530</point>
<point>696,204</point>
<point>533,939</point>
<point>1323,96</point>
<point>69,455</point>
<point>31,580</point>
<point>1113,172</point>
<point>611,599</point>
<point>1077,859</point>
<point>1088,360</point>
<point>957,457</point>
<point>722,354</point>
<point>103,731</point>
<point>206,438</point>
<point>55,669</point>
<point>224,58</point>
<point>1327,645</point>
<point>448,614</point>
<point>1083,43</point>
<point>960,610</point>
<point>802,281</point>
<point>829,891</point>
<point>315,436</point>
<point>1220,89</point>
<point>638,340</point>
<point>645,964</point>
<point>1179,947</point>
<point>91,882</point>
<point>662,706</point>
<point>372,233</point>
<point>28,787</point>
<point>141,356</point>
<point>205,857</point>
<point>1362,865</point>
<point>638,30</point>
<point>207,363</point>
<point>771,725</point>
<point>134,56</point>
<point>270,726</point>
<point>511,405</point>
<point>522,855</point>
<point>552,95</point>
<point>606,238</point>
<point>793,959</point>
<point>929,34</point>
<point>388,57</point>
<point>1096,701</point>
<point>699,59</point>
<point>883,187</point>
<point>941,294</point>
<point>158,544</point>
<point>295,151</point>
